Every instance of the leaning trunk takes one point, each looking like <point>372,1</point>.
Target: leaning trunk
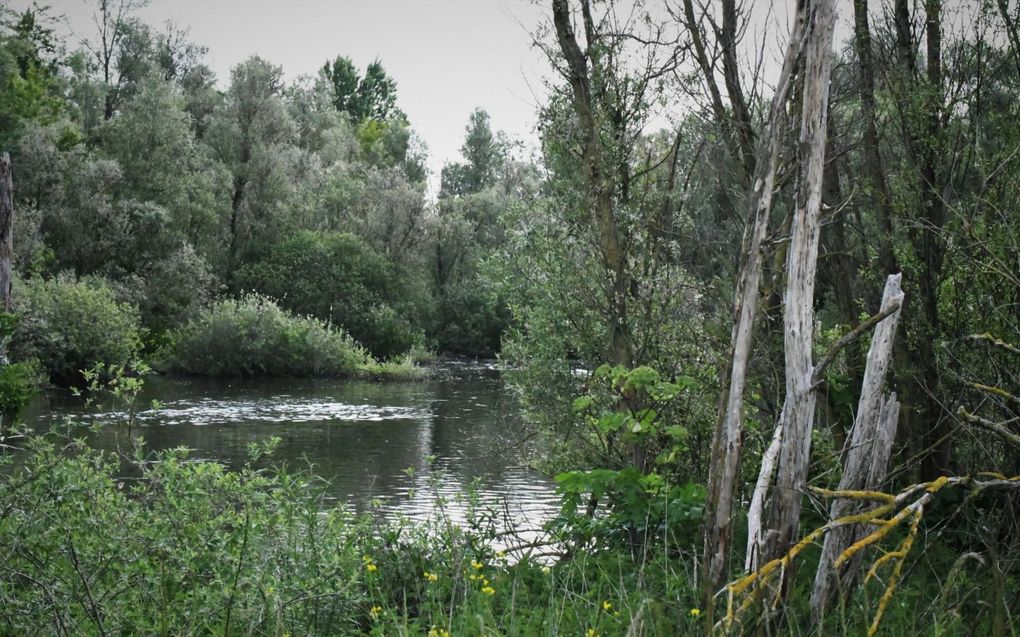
<point>868,449</point>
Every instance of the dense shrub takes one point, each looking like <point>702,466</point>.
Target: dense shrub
<point>68,325</point>
<point>253,336</point>
<point>338,278</point>
<point>194,548</point>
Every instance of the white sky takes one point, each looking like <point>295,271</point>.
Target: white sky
<point>447,56</point>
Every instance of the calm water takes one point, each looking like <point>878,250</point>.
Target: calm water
<point>362,437</point>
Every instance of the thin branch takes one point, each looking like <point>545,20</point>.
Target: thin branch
<point>850,337</point>
<point>998,428</point>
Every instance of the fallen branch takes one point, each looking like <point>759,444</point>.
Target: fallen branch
<point>906,507</point>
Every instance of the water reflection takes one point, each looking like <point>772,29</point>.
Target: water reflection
<point>401,444</point>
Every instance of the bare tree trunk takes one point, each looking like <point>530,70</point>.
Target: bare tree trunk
<point>798,316</point>
<point>931,250</point>
<point>737,124</point>
<point>870,445</point>
<point>731,75</point>
<point>727,441</point>
<point>6,242</point>
<point>6,231</point>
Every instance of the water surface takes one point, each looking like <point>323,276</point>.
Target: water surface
<point>395,445</point>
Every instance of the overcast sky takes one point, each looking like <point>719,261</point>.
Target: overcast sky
<point>447,56</point>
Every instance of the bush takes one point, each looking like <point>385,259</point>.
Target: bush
<point>337,278</point>
<point>195,548</point>
<point>253,336</point>
<point>68,325</point>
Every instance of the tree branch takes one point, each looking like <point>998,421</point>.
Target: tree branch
<point>850,337</point>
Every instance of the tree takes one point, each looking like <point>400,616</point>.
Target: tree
<point>373,96</point>
<point>253,135</point>
<point>115,26</point>
<point>483,155</point>
<point>6,237</point>
<point>152,141</point>
<point>28,73</point>
<point>811,35</point>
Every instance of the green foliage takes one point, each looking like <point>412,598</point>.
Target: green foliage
<point>473,318</point>
<point>339,279</point>
<point>17,380</point>
<point>29,91</point>
<point>620,412</point>
<point>484,157</point>
<point>194,548</point>
<point>639,508</point>
<point>253,336</point>
<point>17,387</point>
<point>373,97</point>
<point>68,325</point>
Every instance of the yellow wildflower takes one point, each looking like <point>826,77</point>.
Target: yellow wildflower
<point>546,570</point>
<point>438,632</point>
<point>593,633</point>
<point>477,565</point>
<point>488,590</point>
<point>375,611</point>
<point>371,568</point>
<point>432,577</point>
<point>695,612</point>
<point>607,605</point>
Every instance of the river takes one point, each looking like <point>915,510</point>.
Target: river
<point>390,447</point>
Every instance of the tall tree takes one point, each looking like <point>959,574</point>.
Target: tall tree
<point>113,20</point>
<point>250,135</point>
<point>482,153</point>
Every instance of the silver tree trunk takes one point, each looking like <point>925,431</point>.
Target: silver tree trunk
<point>869,445</point>
<point>798,313</point>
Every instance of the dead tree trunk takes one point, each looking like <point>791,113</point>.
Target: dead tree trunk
<point>727,441</point>
<point>6,231</point>
<point>798,314</point>
<point>869,448</point>
<point>6,242</point>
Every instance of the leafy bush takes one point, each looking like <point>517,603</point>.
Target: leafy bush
<point>195,548</point>
<point>17,380</point>
<point>69,325</point>
<point>253,336</point>
<point>337,278</point>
